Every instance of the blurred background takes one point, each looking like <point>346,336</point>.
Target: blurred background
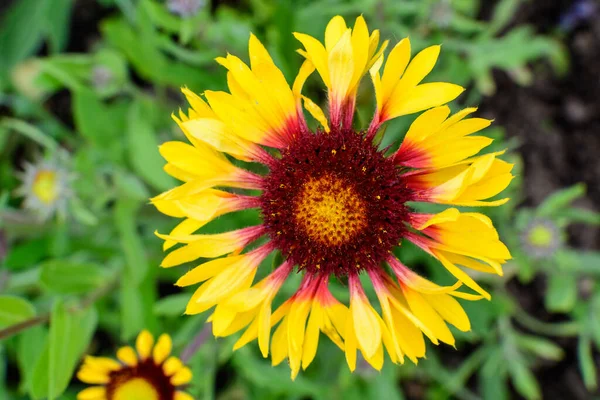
<point>86,92</point>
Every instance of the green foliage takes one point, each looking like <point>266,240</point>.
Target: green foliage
<point>91,281</point>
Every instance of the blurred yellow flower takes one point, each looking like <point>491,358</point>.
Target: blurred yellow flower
<point>149,373</point>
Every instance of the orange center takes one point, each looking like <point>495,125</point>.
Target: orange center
<point>329,211</point>
<point>45,186</point>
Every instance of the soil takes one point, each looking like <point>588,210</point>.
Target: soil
<point>557,122</point>
<point>557,119</point>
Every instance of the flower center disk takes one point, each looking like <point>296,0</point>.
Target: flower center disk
<point>334,203</point>
<point>144,381</point>
<point>329,211</point>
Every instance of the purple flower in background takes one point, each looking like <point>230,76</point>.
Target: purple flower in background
<point>580,11</point>
<point>185,8</point>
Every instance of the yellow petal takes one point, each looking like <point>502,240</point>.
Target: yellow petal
<point>460,275</point>
<point>366,326</point>
<point>92,376</point>
<point>422,97</point>
<point>144,344</point>
<point>394,67</point>
<point>179,395</point>
<point>182,377</point>
<point>334,31</point>
<point>228,282</point>
<point>92,393</point>
<point>185,227</point>
<point>202,162</point>
<point>102,363</point>
<point>350,343</point>
<point>426,314</point>
<point>172,366</point>
<point>162,349</point>
<point>450,310</point>
<point>203,246</point>
<point>215,133</point>
<point>316,54</point>
<point>376,360</point>
<point>264,329</point>
<point>200,107</point>
<point>210,269</point>
<point>279,344</point>
<point>360,50</point>
<point>420,66</point>
<point>316,112</point>
<point>311,339</point>
<point>341,67</point>
<point>127,356</point>
<point>306,70</point>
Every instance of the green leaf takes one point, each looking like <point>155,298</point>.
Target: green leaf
<point>140,48</point>
<point>70,334</point>
<point>132,311</point>
<point>30,348</point>
<point>262,375</point>
<point>136,307</point>
<point>58,24</point>
<point>21,32</point>
<point>561,293</point>
<point>143,147</point>
<point>71,277</point>
<point>523,380</point>
<point>586,363</point>
<point>172,306</point>
<point>540,346</point>
<point>26,254</point>
<point>578,216</point>
<point>71,331</point>
<point>384,386</point>
<point>101,124</point>
<point>579,261</point>
<point>503,14</point>
<point>131,186</point>
<point>14,309</point>
<point>136,262</point>
<point>560,200</point>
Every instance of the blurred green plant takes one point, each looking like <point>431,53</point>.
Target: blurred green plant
<point>86,283</point>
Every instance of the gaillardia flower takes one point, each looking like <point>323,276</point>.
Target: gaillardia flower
<point>332,202</point>
<point>148,374</point>
<point>46,186</point>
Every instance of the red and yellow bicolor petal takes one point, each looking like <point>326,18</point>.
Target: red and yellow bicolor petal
<point>252,308</point>
<point>399,91</point>
<point>363,328</point>
<point>466,239</point>
<point>466,184</point>
<point>403,333</point>
<point>347,55</point>
<point>222,278</point>
<point>310,311</point>
<point>209,246</point>
<point>260,107</point>
<point>435,140</point>
<point>202,127</point>
<point>199,208</point>
<point>433,304</point>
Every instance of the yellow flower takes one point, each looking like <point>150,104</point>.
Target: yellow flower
<point>148,374</point>
<point>331,202</point>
